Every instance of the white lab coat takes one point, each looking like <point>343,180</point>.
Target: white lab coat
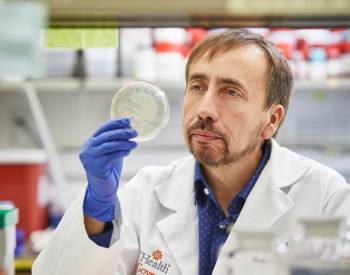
<point>158,213</point>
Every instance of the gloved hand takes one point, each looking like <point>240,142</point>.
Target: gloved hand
<point>102,158</point>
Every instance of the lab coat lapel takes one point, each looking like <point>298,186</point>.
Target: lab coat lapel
<point>267,203</point>
<point>180,229</point>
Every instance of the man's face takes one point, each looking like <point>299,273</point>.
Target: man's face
<point>223,111</point>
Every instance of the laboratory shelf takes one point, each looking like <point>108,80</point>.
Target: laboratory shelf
<point>46,85</point>
<point>203,13</point>
<point>204,21</point>
<point>326,84</point>
<point>173,89</point>
<point>100,85</point>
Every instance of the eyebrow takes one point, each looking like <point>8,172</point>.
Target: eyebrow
<point>232,82</point>
<point>237,83</point>
<point>197,77</point>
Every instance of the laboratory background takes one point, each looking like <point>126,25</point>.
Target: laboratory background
<point>61,62</point>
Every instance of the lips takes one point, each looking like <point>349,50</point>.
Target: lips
<point>204,136</point>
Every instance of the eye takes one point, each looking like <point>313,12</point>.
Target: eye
<point>196,88</point>
<point>232,92</point>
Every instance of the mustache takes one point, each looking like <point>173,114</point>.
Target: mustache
<point>207,125</point>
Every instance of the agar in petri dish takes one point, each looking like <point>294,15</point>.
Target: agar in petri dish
<point>145,105</point>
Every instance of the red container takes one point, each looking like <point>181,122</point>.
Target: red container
<point>20,175</point>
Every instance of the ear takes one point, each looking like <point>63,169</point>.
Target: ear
<point>276,114</point>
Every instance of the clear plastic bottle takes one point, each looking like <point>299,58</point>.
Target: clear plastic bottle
<point>301,65</point>
<point>256,253</point>
<point>318,64</point>
<point>333,62</point>
<point>170,62</point>
<point>317,248</point>
<point>144,64</point>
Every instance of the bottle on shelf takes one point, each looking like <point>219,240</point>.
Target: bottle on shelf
<point>318,63</point>
<point>8,221</point>
<point>170,62</point>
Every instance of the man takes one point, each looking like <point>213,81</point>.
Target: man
<point>174,219</point>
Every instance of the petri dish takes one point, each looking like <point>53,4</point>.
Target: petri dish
<point>145,105</point>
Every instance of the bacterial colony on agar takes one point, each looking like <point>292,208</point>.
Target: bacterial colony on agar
<point>145,105</point>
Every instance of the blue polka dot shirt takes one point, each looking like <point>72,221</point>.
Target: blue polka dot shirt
<point>212,220</point>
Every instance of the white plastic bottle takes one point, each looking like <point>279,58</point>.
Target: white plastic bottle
<point>170,62</point>
<point>318,64</point>
<point>131,41</point>
<point>301,65</point>
<point>144,64</point>
<point>333,62</point>
<point>100,62</point>
<point>345,61</point>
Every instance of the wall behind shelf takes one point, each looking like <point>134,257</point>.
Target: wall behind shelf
<point>72,116</point>
<point>318,115</point>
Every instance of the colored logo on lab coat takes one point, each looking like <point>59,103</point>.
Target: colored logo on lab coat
<point>150,263</point>
<point>157,255</point>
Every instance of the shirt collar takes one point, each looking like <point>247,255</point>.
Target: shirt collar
<point>201,183</point>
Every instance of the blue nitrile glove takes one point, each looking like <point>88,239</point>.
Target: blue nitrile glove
<point>102,158</point>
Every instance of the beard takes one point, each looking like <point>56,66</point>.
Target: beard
<point>220,156</point>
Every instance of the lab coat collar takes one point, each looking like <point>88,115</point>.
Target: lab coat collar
<point>186,222</point>
<point>177,194</point>
<point>285,166</point>
<point>265,205</point>
<point>282,170</point>
<point>269,200</point>
<point>178,190</point>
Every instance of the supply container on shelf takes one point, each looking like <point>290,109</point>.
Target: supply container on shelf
<point>101,62</point>
<point>169,46</point>
<point>345,58</point>
<point>144,64</point>
<point>333,62</point>
<point>22,181</point>
<point>60,62</point>
<point>133,40</point>
<point>318,63</point>
<point>8,221</point>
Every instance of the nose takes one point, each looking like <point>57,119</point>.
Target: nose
<point>208,107</point>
